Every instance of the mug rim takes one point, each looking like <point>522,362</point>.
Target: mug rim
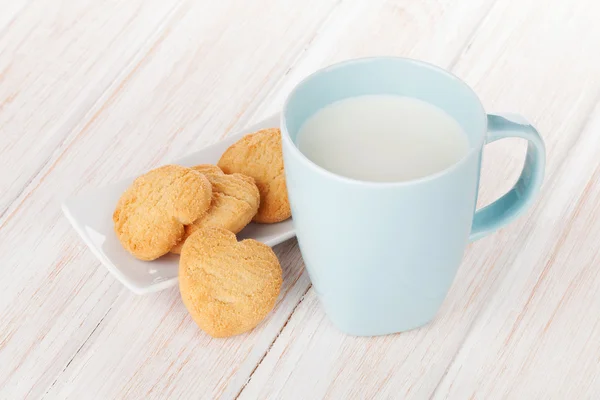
<point>472,149</point>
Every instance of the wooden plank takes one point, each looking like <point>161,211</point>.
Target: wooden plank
<point>211,61</point>
<point>433,31</point>
<point>539,335</point>
<point>510,61</point>
<point>56,60</point>
<point>168,356</point>
<point>81,374</point>
<point>10,10</point>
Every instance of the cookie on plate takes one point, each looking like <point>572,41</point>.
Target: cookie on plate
<point>259,156</point>
<point>227,286</point>
<point>235,200</point>
<point>150,216</point>
<point>208,169</point>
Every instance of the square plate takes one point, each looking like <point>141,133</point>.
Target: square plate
<point>90,214</point>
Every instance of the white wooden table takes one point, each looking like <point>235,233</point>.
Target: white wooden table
<point>94,91</point>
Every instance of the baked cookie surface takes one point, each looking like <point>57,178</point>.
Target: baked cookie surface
<point>235,201</point>
<point>150,216</point>
<point>259,156</point>
<point>227,286</point>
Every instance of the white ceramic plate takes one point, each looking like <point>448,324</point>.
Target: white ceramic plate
<point>91,215</point>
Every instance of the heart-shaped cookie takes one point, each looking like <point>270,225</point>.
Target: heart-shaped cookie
<point>259,156</point>
<point>235,200</point>
<point>227,286</point>
<point>150,216</point>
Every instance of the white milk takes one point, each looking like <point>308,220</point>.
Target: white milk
<point>382,138</point>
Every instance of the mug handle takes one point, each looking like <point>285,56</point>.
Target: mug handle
<point>520,197</point>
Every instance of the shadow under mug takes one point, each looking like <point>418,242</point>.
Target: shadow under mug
<point>382,256</point>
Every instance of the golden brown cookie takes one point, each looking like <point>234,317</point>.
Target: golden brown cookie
<point>208,169</point>
<point>227,286</point>
<point>150,216</point>
<point>259,156</point>
<point>235,200</point>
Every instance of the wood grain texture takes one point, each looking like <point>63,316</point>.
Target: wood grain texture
<point>10,11</point>
<point>168,356</point>
<point>94,91</point>
<point>539,335</point>
<point>433,31</point>
<point>185,90</point>
<point>56,60</point>
<point>411,365</point>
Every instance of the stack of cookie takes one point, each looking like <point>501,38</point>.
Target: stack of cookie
<point>227,286</point>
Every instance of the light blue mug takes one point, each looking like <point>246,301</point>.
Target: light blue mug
<point>382,256</point>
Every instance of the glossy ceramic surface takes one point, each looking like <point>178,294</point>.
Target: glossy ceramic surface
<point>91,215</point>
<point>382,256</point>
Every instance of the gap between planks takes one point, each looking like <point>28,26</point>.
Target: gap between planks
<point>106,97</point>
<point>551,179</point>
<point>464,48</point>
<point>494,288</point>
<point>61,148</point>
<point>107,94</point>
<point>78,350</point>
<point>274,340</point>
<point>93,110</point>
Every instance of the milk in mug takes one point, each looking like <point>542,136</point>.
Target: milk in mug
<point>382,138</point>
